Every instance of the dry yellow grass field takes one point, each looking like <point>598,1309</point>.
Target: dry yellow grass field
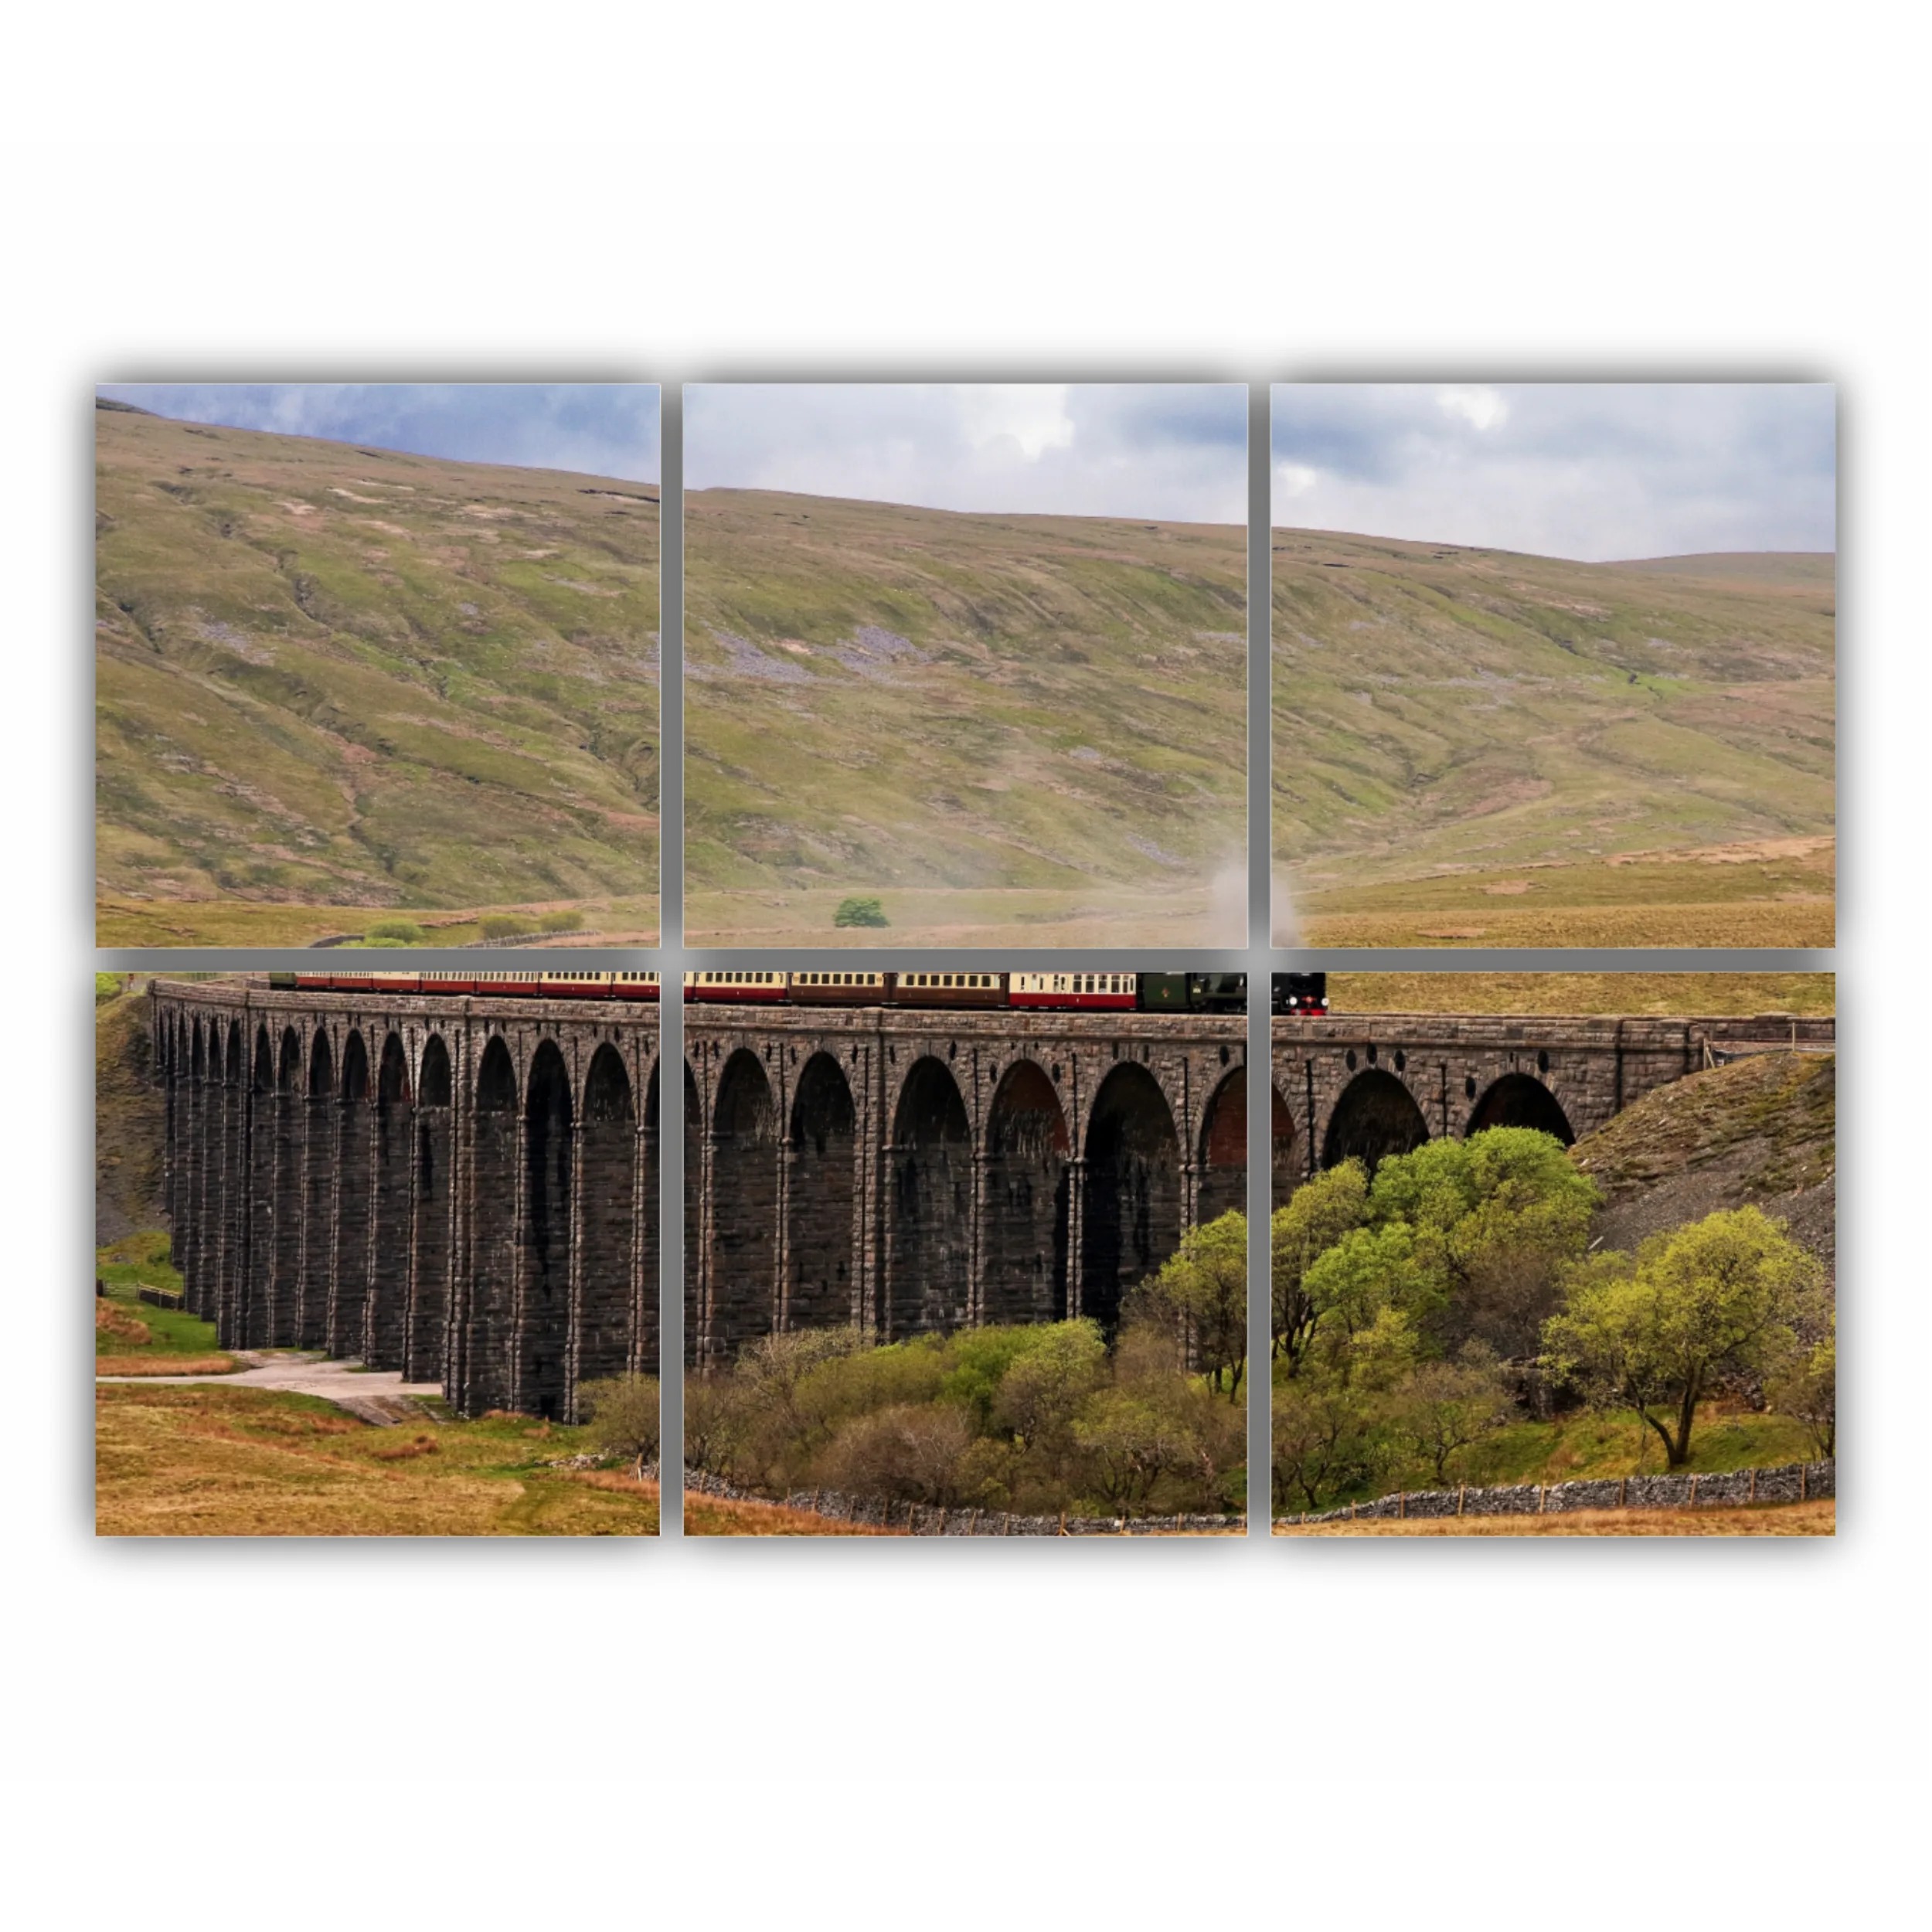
<point>727,1516</point>
<point>1760,1519</point>
<point>201,1460</point>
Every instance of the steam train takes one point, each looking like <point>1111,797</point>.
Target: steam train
<point>1118,992</point>
<point>1299,995</point>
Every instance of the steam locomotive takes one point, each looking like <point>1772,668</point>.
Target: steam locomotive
<point>1299,994</point>
<point>1074,992</point>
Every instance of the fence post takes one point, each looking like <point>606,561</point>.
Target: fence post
<point>1063,1523</point>
<point>1402,1504</point>
<point>1539,1499</point>
<point>1623,1489</point>
<point>1803,1468</point>
<point>1753,1496</point>
<point>1693,1492</point>
<point>1462,1490</point>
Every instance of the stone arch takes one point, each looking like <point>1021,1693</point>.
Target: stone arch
<point>322,1138</point>
<point>601,1338</point>
<point>355,1167</point>
<point>697,1341</point>
<point>543,1324</point>
<point>484,1334</point>
<point>1130,1218</point>
<point>390,1224</point>
<point>1281,1164</point>
<point>231,1286</point>
<point>428,1288</point>
<point>644,1321</point>
<point>290,1135</point>
<point>1222,1164</point>
<point>822,1165</point>
<point>744,1182</point>
<point>191,1234</point>
<point>1518,1100</point>
<point>1375,1117</point>
<point>1028,1199</point>
<point>929,1233</point>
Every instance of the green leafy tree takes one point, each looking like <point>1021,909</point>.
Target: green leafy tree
<point>860,912</point>
<point>1129,1442</point>
<point>1445,1409</point>
<point>1723,1296</point>
<point>1806,1386</point>
<point>1200,1293</point>
<point>1316,1217</point>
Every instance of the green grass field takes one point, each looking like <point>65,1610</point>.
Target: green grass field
<point>1476,747</point>
<point>333,677</point>
<point>1019,729</point>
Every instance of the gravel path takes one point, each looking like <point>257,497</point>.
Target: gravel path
<point>377,1396</point>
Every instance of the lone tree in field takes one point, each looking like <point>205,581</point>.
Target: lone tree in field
<point>1727,1295</point>
<point>860,912</point>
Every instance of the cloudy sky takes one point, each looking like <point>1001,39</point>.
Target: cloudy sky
<point>1593,470</point>
<point>600,429</point>
<point>1176,451</point>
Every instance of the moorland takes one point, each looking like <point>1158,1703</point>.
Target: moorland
<point>1018,729</point>
<point>1478,747</point>
<point>337,684</point>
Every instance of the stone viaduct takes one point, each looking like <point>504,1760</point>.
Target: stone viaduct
<point>466,1188</point>
<point>463,1189</point>
<point>1373,1084</point>
<point>915,1170</point>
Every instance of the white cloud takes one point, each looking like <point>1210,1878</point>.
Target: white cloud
<point>1031,414</point>
<point>1482,408</point>
<point>1295,479</point>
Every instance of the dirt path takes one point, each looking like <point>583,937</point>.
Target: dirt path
<point>377,1396</point>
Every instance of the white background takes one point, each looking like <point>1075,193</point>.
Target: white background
<point>1373,1734</point>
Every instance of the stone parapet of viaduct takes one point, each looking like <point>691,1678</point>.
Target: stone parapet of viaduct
<point>465,1189</point>
<point>1371,1084</point>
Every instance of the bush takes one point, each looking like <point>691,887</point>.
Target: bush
<point>503,925</point>
<point>622,1413</point>
<point>906,1452</point>
<point>860,912</point>
<point>394,932</point>
<point>561,923</point>
<point>107,987</point>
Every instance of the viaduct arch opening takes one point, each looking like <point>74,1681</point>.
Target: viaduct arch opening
<point>821,1155</point>
<point>423,1343</point>
<point>745,1191</point>
<point>1222,1166</point>
<point>493,1177</point>
<point>389,1241</point>
<point>929,1245</point>
<point>1281,1150</point>
<point>348,1310</point>
<point>541,1379</point>
<point>1132,1214</point>
<point>1376,1117</point>
<point>645,1324</point>
<point>1028,1199</point>
<point>256,1327</point>
<point>608,1216</point>
<point>697,1341</point>
<point>1518,1100</point>
<point>318,1226</point>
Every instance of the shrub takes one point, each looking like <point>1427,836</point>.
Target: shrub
<point>860,912</point>
<point>394,932</point>
<point>622,1412</point>
<point>909,1454</point>
<point>107,987</point>
<point>561,923</point>
<point>503,925</point>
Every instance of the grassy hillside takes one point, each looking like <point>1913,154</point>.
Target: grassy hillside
<point>328,676</point>
<point>1761,1132</point>
<point>1472,747</point>
<point>130,1126</point>
<point>1003,726</point>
